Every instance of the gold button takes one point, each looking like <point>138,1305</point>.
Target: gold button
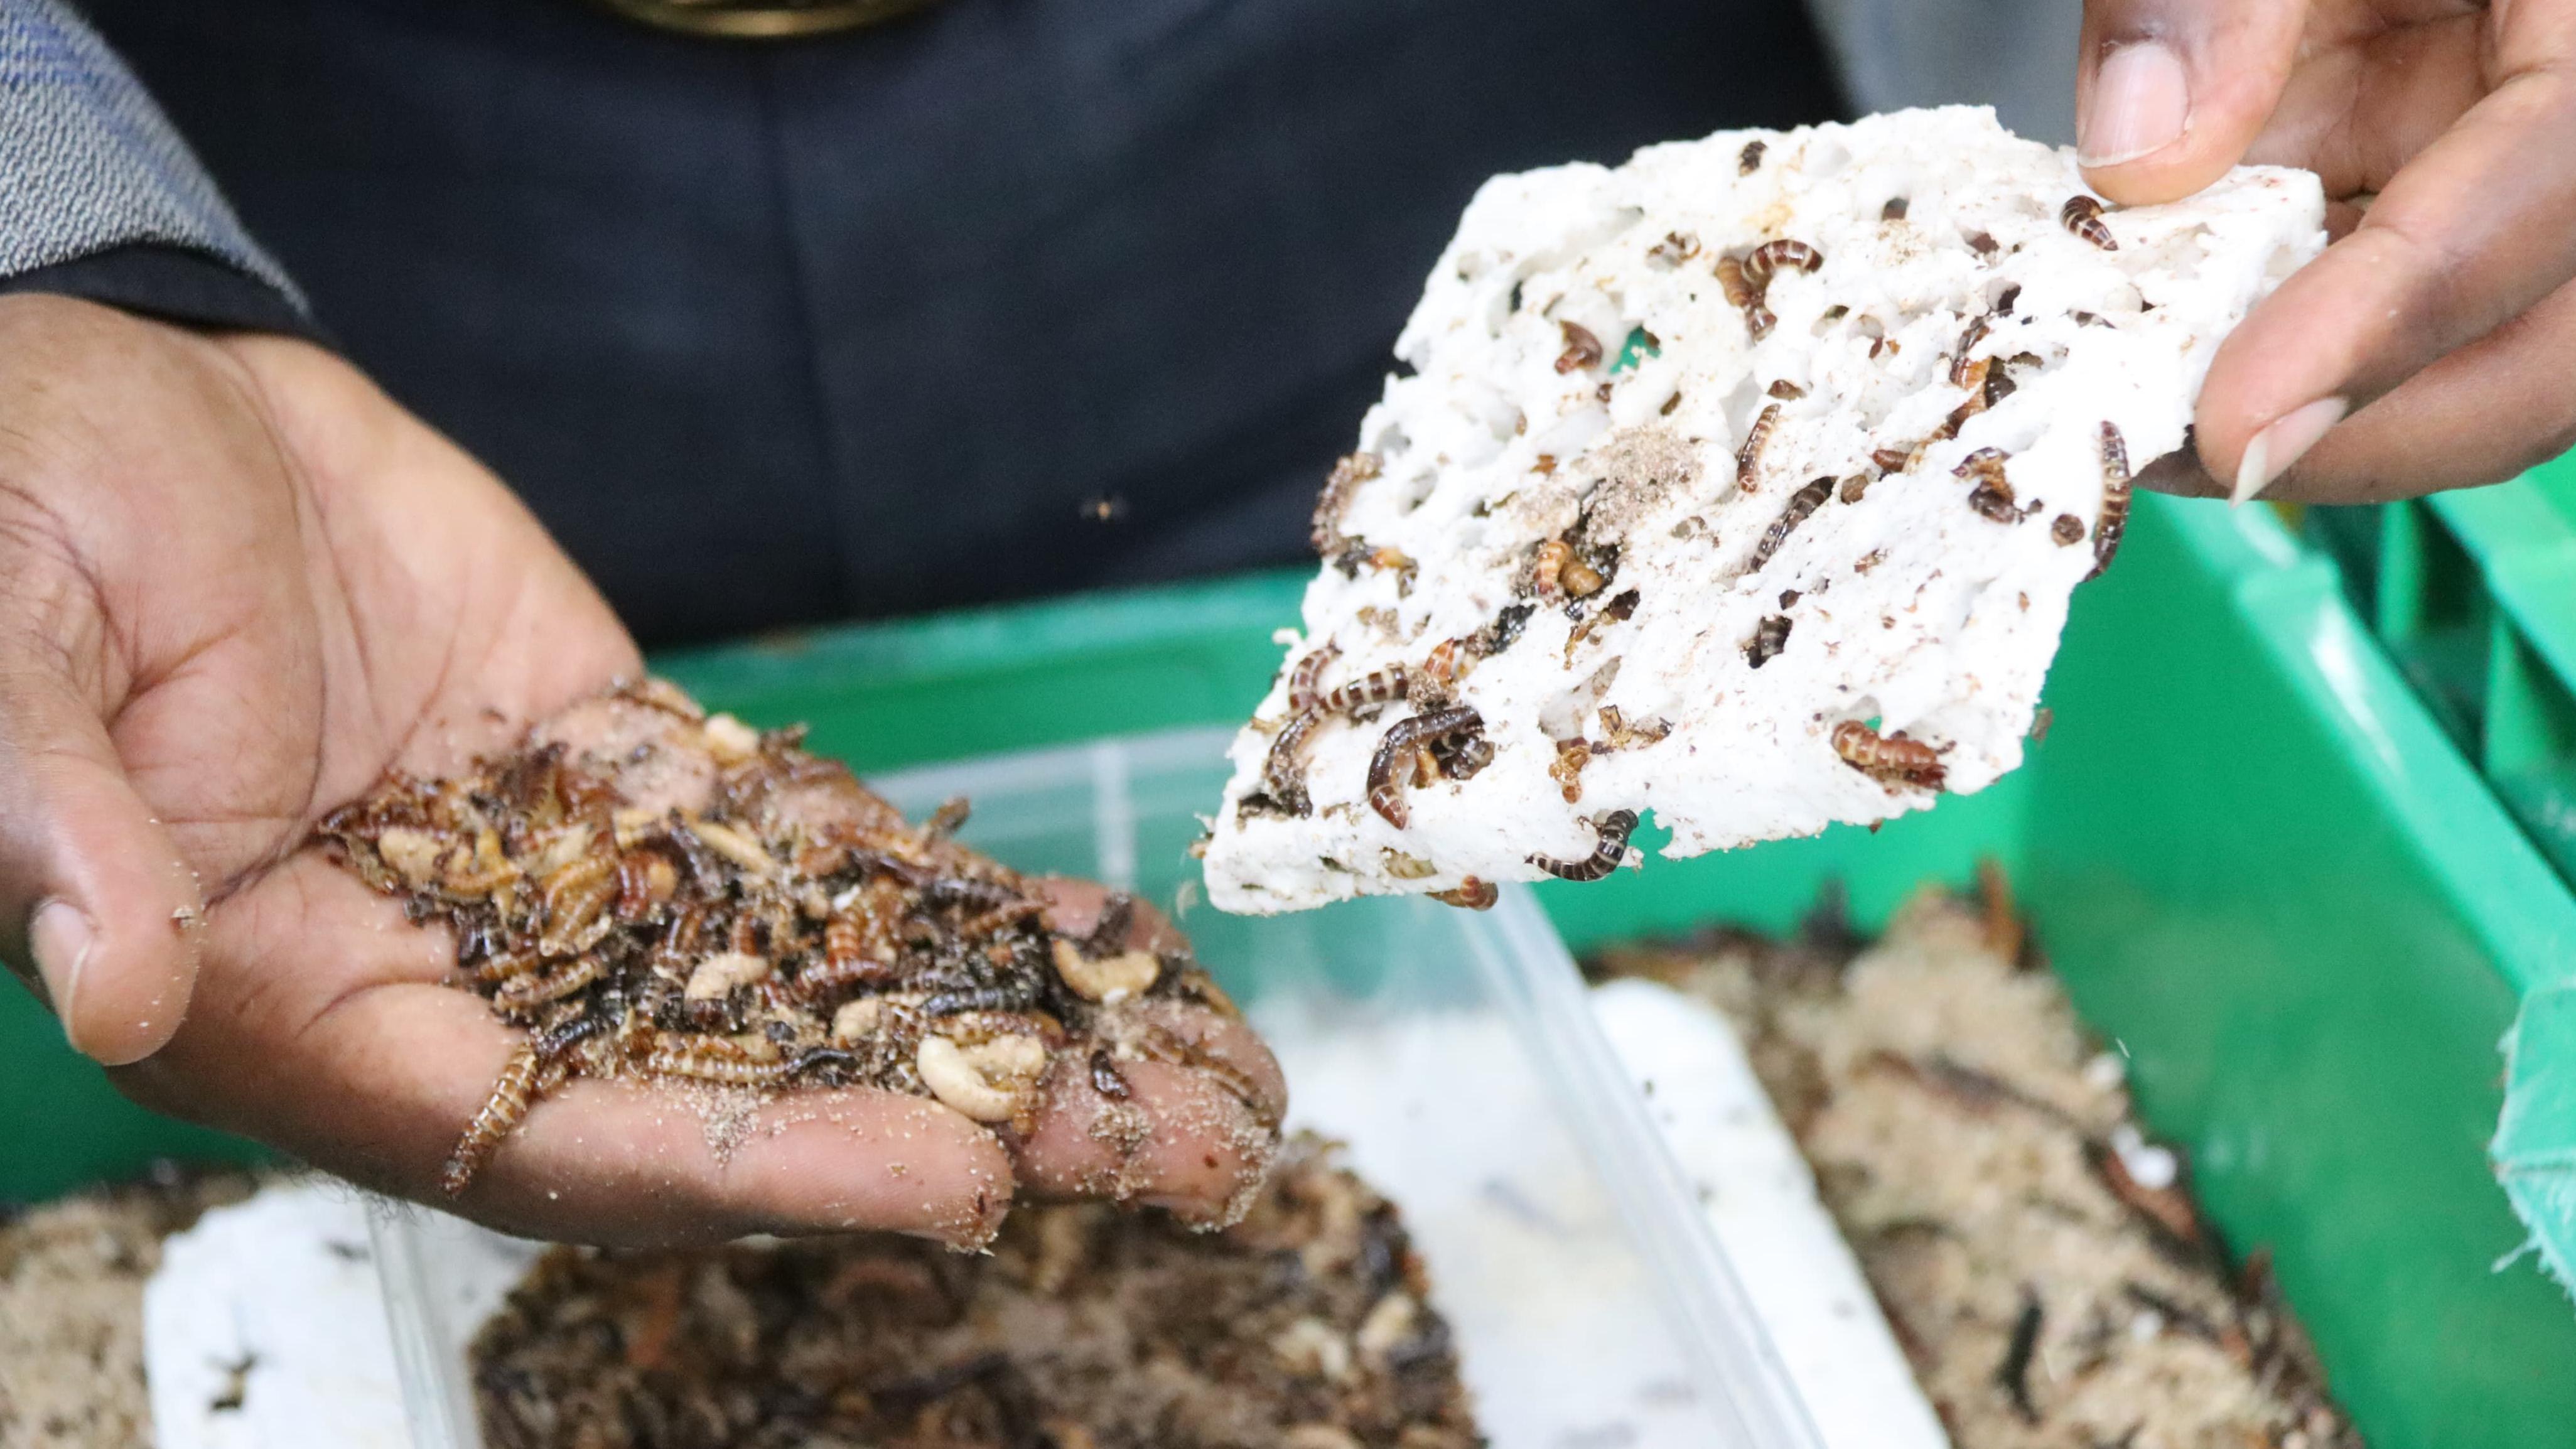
<point>762,19</point>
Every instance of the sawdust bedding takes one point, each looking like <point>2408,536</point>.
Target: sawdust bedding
<point>2041,1261</point>
<point>71,1306</point>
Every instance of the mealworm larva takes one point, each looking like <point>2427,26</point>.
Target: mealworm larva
<point>1992,500</point>
<point>737,846</point>
<point>1606,856</point>
<point>1983,463</point>
<point>2082,215</point>
<point>645,879</point>
<point>1580,579</point>
<point>1769,638</point>
<point>502,967</point>
<point>1306,680</point>
<point>1389,768</point>
<point>1758,319</point>
<point>513,1093</point>
<point>1785,389</point>
<point>1547,567</point>
<point>1283,773</point>
<point>1892,460</point>
<point>1959,360</point>
<point>1582,349</point>
<point>1766,260</point>
<point>1891,760</point>
<point>1854,488</point>
<point>1344,481</point>
<point>846,961</point>
<point>948,819</point>
<point>711,1059</point>
<point>2115,499</point>
<point>1463,759</point>
<point>1749,160</point>
<point>999,919</point>
<point>521,992</point>
<point>1378,686</point>
<point>1676,248</point>
<point>1801,504</point>
<point>1749,456</point>
<point>2066,530</point>
<point>1895,209</point>
<point>1471,894</point>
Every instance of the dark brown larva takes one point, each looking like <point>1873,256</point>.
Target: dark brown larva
<point>1891,460</point>
<point>1895,210</point>
<point>1992,500</point>
<point>1283,772</point>
<point>1854,488</point>
<point>1749,160</point>
<point>1892,761</point>
<point>2082,215</point>
<point>846,962</point>
<point>1305,682</point>
<point>1378,686</point>
<point>645,880</point>
<point>1769,638</point>
<point>1344,481</point>
<point>1463,759</point>
<point>1801,504</point>
<point>1748,458</point>
<point>1607,856</point>
<point>1959,359</point>
<point>525,992</point>
<point>1785,389</point>
<point>2066,529</point>
<point>1106,1079</point>
<point>1472,894</point>
<point>1771,257</point>
<point>2115,500</point>
<point>1984,463</point>
<point>1582,349</point>
<point>1391,768</point>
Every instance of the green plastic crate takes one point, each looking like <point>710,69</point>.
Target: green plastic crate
<point>2262,865</point>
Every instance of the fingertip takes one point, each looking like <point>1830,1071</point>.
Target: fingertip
<point>120,980</point>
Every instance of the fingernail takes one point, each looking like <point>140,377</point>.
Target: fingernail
<point>60,938</point>
<point>2280,445</point>
<point>2141,104</point>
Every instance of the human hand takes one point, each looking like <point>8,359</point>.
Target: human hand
<point>2441,322</point>
<point>240,585</point>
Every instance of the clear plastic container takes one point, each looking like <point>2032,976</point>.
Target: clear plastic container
<point>1453,1051</point>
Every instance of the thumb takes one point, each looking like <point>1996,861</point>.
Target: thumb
<point>92,891</point>
<point>2170,93</point>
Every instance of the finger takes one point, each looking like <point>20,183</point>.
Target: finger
<point>2476,229</point>
<point>2169,93</point>
<point>92,891</point>
<point>1191,1127</point>
<point>2485,413</point>
<point>1074,906</point>
<point>374,1072</point>
<point>2356,112</point>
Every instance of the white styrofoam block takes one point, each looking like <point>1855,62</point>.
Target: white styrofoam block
<point>1904,606</point>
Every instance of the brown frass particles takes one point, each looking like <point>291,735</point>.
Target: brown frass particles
<point>1305,1326</point>
<point>652,892</point>
<point>2041,1262</point>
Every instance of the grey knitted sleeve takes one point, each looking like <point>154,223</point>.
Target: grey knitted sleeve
<point>89,167</point>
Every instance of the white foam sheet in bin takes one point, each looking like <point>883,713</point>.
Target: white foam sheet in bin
<point>1458,1056</point>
